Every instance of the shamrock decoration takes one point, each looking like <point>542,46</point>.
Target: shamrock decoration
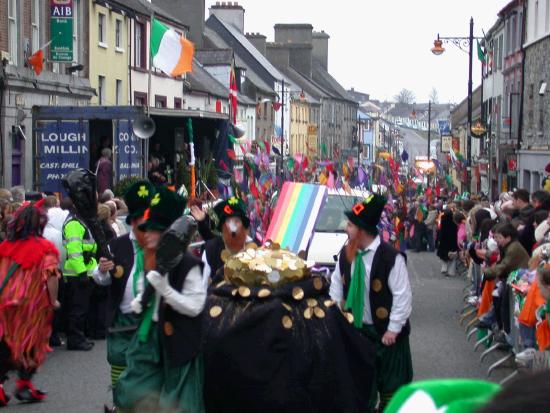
<point>155,200</point>
<point>233,201</point>
<point>143,192</point>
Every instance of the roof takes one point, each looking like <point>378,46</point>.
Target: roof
<point>314,92</point>
<point>250,48</point>
<point>214,57</point>
<point>146,8</point>
<point>326,81</point>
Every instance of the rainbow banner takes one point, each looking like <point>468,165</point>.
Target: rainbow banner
<point>295,216</point>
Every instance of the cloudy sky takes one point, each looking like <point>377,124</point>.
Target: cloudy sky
<point>382,46</point>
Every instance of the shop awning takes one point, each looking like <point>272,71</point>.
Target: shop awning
<point>187,113</point>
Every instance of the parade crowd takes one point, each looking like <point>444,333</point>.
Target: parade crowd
<point>152,298</point>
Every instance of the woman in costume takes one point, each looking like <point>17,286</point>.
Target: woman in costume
<point>28,297</point>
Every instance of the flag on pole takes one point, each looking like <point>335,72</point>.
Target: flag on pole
<point>36,61</point>
<point>481,54</point>
<point>171,52</point>
<point>233,93</point>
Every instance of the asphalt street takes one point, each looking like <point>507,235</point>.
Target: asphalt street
<point>414,144</point>
<point>79,381</point>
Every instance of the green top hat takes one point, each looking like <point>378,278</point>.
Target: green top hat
<point>166,206</point>
<point>232,207</point>
<point>366,214</point>
<point>138,198</point>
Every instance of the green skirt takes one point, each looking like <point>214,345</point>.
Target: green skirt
<point>149,379</point>
<point>118,343</point>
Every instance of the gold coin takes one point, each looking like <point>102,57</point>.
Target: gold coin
<point>168,328</point>
<point>234,292</point>
<point>349,316</point>
<point>317,283</point>
<point>215,311</point>
<point>287,322</point>
<point>244,291</point>
<point>328,303</point>
<point>311,302</point>
<point>264,292</point>
<point>287,307</point>
<point>319,312</point>
<point>225,255</point>
<point>297,293</point>
<point>376,285</point>
<point>119,271</point>
<point>221,284</point>
<point>308,313</point>
<point>382,313</point>
<point>251,245</point>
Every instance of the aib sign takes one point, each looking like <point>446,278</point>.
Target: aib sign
<point>61,8</point>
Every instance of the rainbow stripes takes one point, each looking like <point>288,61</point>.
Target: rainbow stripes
<point>297,211</point>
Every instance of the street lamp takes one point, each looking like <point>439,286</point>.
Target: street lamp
<point>465,44</point>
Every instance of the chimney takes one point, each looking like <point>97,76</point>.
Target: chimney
<point>191,13</point>
<point>297,38</point>
<point>278,54</point>
<point>258,40</point>
<point>230,12</point>
<point>320,48</point>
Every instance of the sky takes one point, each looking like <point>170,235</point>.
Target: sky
<point>382,46</point>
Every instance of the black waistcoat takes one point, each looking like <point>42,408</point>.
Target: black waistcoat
<point>214,248</point>
<point>123,252</point>
<point>181,335</point>
<point>380,295</point>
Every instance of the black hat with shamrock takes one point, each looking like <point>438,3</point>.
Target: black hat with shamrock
<point>366,214</point>
<point>232,207</point>
<point>166,206</point>
<point>138,199</point>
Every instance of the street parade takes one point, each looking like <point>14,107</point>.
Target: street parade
<point>194,219</point>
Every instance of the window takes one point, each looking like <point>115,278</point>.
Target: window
<point>541,110</point>
<point>118,33</point>
<point>12,31</point>
<point>101,28</point>
<point>101,89</point>
<point>177,103</point>
<point>500,47</point>
<point>140,52</point>
<point>35,25</point>
<point>118,92</point>
<point>140,99</point>
<point>160,101</point>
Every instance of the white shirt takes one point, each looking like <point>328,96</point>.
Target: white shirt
<point>398,283</point>
<point>105,279</point>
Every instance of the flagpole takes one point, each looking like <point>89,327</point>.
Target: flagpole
<point>150,65</point>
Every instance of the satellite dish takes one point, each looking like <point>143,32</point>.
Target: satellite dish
<point>144,127</point>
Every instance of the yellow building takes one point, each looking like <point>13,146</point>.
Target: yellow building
<point>109,51</point>
<point>299,122</point>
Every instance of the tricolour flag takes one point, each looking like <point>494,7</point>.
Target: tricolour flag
<point>171,52</point>
<point>481,54</point>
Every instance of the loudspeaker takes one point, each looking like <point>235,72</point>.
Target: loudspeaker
<point>144,127</point>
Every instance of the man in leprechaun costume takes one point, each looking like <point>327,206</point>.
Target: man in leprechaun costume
<point>124,275</point>
<point>163,357</point>
<point>232,223</point>
<point>371,280</point>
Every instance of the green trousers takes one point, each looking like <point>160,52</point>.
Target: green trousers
<point>393,367</point>
<point>118,344</point>
<point>149,380</point>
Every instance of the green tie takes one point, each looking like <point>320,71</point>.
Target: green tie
<point>147,320</point>
<point>356,293</point>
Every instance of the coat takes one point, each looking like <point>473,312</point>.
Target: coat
<point>447,238</point>
<point>513,257</point>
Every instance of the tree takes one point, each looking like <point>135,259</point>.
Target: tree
<point>434,96</point>
<point>405,96</point>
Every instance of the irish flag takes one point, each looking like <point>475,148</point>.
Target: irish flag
<point>171,52</point>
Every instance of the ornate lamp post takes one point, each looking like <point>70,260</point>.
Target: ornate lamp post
<point>465,44</point>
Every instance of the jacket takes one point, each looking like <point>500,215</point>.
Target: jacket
<point>513,257</point>
<point>80,248</point>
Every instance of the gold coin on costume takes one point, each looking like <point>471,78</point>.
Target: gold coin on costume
<point>221,284</point>
<point>287,322</point>
<point>308,313</point>
<point>119,271</point>
<point>297,293</point>
<point>319,312</point>
<point>264,292</point>
<point>244,291</point>
<point>329,303</point>
<point>287,307</point>
<point>382,313</point>
<point>234,292</point>
<point>215,311</point>
<point>317,283</point>
<point>225,255</point>
<point>376,285</point>
<point>349,316</point>
<point>168,328</point>
<point>311,302</point>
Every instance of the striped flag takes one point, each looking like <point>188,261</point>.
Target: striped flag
<point>233,93</point>
<point>171,52</point>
